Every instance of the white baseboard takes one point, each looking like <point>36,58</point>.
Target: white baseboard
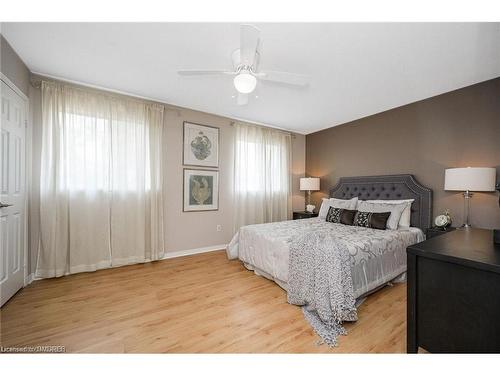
<point>200,250</point>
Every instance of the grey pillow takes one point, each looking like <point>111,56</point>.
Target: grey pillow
<point>396,211</point>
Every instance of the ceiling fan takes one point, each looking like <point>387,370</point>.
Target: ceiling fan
<point>246,71</point>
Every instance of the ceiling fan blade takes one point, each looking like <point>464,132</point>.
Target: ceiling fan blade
<point>242,99</point>
<point>192,72</point>
<point>284,77</point>
<point>249,42</point>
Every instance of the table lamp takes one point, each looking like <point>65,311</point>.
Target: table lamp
<point>309,184</point>
<point>469,180</point>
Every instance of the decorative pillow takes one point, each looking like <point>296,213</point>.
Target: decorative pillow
<point>349,204</point>
<point>404,221</point>
<point>375,220</point>
<point>396,211</point>
<point>340,215</point>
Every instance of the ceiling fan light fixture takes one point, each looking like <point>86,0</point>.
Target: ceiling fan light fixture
<point>245,82</point>
<point>245,68</point>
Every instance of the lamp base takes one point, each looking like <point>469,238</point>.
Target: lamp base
<point>467,197</point>
<point>308,199</point>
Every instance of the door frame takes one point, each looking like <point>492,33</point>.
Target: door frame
<point>27,173</point>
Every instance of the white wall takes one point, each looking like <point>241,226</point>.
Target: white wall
<point>184,230</point>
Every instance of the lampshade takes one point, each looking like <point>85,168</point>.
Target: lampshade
<point>471,179</point>
<point>309,183</point>
<point>245,82</point>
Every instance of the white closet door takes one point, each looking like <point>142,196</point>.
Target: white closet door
<point>12,192</point>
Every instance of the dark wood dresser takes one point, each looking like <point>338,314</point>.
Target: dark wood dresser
<point>453,303</point>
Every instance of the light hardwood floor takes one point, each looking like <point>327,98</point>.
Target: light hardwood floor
<point>201,303</point>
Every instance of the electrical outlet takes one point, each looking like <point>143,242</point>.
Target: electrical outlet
<point>219,227</point>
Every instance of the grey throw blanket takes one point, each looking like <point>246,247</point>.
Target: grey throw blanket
<point>320,281</point>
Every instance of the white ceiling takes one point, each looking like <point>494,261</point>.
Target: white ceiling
<point>356,70</point>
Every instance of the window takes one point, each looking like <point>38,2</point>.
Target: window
<point>101,198</point>
<point>103,154</point>
<point>261,175</point>
<point>261,167</point>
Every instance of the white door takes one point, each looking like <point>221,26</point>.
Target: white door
<point>12,192</point>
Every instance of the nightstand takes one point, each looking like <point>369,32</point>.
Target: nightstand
<point>436,231</point>
<point>304,215</point>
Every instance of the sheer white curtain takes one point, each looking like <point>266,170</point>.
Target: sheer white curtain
<point>262,177</point>
<point>100,183</point>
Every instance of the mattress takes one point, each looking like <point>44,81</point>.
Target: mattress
<point>377,256</point>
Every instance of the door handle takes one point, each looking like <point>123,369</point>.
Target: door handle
<point>2,205</point>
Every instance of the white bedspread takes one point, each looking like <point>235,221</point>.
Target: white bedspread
<point>377,256</point>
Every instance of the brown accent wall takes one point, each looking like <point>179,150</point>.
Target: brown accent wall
<point>457,129</point>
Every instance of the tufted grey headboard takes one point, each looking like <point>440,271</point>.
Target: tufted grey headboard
<point>400,186</point>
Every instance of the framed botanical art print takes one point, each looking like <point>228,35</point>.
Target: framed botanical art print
<point>201,190</point>
<point>201,145</point>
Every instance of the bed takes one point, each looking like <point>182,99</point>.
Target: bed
<point>376,256</point>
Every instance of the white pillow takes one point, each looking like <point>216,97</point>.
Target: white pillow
<point>325,206</point>
<point>404,222</point>
<point>349,204</point>
<point>396,211</point>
